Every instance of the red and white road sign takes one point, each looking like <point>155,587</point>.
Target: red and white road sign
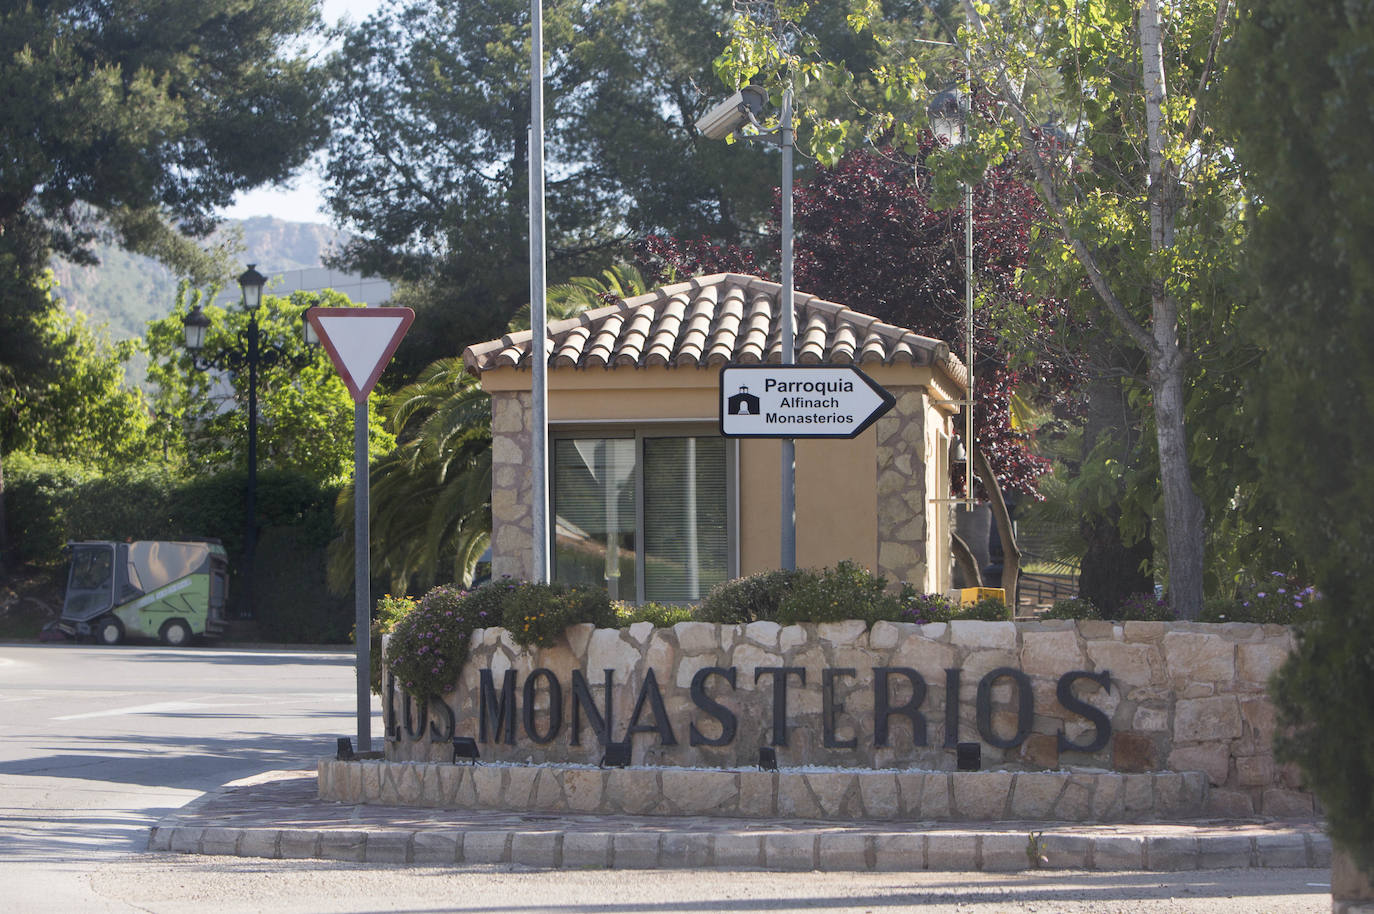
<point>360,341</point>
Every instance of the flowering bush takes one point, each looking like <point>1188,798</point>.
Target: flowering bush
<point>1282,599</point>
<point>429,645</point>
<point>923,608</point>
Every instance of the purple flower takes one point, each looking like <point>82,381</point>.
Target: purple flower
<point>1297,604</point>
<point>1261,595</point>
<point>1281,590</point>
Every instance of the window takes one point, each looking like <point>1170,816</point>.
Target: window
<point>645,515</point>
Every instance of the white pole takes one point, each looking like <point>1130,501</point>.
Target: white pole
<point>968,299</point>
<point>539,446</point>
<point>789,451</point>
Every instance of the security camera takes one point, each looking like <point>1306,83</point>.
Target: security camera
<point>744,107</point>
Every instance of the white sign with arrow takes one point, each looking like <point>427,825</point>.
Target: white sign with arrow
<point>799,401</point>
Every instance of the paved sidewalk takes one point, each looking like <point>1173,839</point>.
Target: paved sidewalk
<point>278,815</point>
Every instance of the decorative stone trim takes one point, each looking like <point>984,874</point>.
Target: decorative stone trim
<point>834,795</point>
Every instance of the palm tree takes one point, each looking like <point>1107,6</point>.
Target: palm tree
<point>431,497</point>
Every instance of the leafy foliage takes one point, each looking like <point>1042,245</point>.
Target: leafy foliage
<point>1298,101</point>
<point>74,404</point>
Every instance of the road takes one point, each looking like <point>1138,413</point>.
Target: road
<point>96,744</point>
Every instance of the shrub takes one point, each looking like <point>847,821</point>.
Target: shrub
<point>387,613</point>
<point>1143,607</point>
<point>1074,608</point>
<point>662,615</point>
<point>753,598</point>
<point>536,614</point>
<point>988,609</point>
<point>846,591</point>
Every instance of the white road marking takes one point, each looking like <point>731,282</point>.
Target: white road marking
<point>155,708</point>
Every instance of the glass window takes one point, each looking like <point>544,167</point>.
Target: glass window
<point>646,517</point>
<point>594,513</point>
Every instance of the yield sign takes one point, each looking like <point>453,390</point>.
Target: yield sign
<point>360,341</point>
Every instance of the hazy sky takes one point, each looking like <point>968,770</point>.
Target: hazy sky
<point>303,200</point>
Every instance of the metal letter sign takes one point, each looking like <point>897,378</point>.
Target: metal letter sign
<point>798,401</point>
<point>360,341</point>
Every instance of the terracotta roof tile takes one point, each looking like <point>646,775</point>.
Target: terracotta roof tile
<point>712,321</point>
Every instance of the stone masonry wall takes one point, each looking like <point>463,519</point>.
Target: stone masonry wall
<point>902,509</point>
<point>1180,697</point>
<point>512,480</point>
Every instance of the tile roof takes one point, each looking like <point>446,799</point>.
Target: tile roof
<point>711,321</point>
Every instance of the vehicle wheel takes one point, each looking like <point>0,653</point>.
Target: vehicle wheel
<point>109,630</point>
<point>175,633</point>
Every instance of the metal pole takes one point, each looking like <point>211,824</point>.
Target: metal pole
<point>362,579</point>
<point>789,452</point>
<point>539,495</point>
<point>250,534</point>
<point>968,299</point>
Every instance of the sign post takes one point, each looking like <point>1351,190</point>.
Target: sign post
<point>360,342</point>
<point>799,401</point>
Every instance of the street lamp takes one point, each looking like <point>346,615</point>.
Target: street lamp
<point>724,119</point>
<point>248,352</point>
<point>948,113</point>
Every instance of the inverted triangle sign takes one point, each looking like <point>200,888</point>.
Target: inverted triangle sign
<point>360,342</point>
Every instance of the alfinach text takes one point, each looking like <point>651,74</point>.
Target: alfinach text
<point>538,704</point>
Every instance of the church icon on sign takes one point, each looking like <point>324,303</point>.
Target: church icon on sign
<point>743,403</point>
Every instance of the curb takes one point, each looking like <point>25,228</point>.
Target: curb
<point>279,816</point>
<point>800,850</point>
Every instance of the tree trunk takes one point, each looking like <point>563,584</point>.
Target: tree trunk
<point>965,559</point>
<point>1011,553</point>
<point>1183,514</point>
<point>1111,571</point>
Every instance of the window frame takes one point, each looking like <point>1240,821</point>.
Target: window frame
<point>638,431</point>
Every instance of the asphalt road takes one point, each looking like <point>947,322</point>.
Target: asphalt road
<point>97,744</point>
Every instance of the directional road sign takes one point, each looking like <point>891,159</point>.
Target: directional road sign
<point>360,341</point>
<point>798,401</point>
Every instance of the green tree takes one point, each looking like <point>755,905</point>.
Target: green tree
<point>305,412</point>
<point>1298,96</point>
<point>1139,190</point>
<point>428,163</point>
<point>74,404</point>
<point>137,118</point>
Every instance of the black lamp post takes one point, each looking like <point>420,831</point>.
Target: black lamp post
<point>248,352</point>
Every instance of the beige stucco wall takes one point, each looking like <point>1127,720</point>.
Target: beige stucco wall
<point>865,499</point>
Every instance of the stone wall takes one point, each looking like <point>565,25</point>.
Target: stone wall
<point>902,507</point>
<point>1180,697</point>
<point>512,524</point>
